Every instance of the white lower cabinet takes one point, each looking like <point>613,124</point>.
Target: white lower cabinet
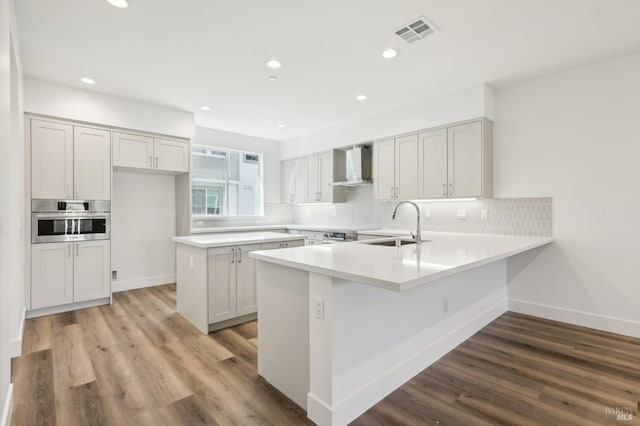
<point>63,273</point>
<point>222,283</point>
<point>231,279</point>
<point>91,270</point>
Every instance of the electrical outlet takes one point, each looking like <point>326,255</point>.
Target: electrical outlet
<point>427,213</point>
<point>462,214</point>
<point>114,275</point>
<point>445,306</point>
<point>319,308</point>
<point>484,214</point>
<point>191,262</point>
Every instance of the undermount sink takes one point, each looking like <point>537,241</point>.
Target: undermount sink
<point>397,242</point>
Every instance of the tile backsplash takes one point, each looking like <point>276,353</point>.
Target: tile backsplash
<point>516,216</point>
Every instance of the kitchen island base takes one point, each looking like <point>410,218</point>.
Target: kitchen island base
<point>337,347</point>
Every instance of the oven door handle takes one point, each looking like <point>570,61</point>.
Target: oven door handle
<point>82,215</point>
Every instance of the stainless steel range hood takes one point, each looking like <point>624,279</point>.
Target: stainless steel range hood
<point>357,167</point>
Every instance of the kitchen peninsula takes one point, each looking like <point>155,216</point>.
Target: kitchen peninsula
<point>341,326</point>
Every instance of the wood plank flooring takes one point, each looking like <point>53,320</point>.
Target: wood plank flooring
<point>526,371</point>
<point>138,362</point>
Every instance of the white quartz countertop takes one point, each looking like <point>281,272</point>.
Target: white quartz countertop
<point>222,240</point>
<point>328,228</point>
<point>400,268</point>
<point>387,232</point>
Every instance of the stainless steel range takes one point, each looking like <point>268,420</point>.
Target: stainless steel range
<point>322,235</point>
<point>70,220</point>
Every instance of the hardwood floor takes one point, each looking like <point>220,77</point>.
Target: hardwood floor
<point>523,370</point>
<point>138,362</point>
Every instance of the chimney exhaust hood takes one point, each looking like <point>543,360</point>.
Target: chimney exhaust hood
<point>357,167</point>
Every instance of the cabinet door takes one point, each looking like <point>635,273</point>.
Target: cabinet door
<point>91,270</point>
<point>171,155</point>
<point>325,166</point>
<point>91,164</point>
<point>301,180</point>
<point>246,291</point>
<point>132,150</point>
<point>271,246</point>
<point>313,179</point>
<point>432,164</point>
<point>406,168</point>
<point>51,274</point>
<point>221,267</point>
<point>465,160</point>
<point>288,181</point>
<point>51,160</point>
<point>294,243</point>
<point>383,170</point>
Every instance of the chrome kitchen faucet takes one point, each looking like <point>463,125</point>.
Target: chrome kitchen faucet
<point>418,236</point>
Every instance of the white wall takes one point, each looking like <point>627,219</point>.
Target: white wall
<point>143,223</point>
<point>574,136</point>
<point>11,200</point>
<point>56,100</point>
<point>469,103</point>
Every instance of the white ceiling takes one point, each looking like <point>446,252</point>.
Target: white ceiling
<point>188,53</point>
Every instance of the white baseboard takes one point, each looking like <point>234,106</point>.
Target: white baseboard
<point>136,283</point>
<point>571,316</point>
<point>453,332</point>
<point>8,407</point>
<point>34,313</point>
<point>15,345</point>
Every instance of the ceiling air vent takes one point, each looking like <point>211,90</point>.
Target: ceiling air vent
<point>415,30</point>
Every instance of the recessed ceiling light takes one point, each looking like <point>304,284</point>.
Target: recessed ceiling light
<point>281,126</point>
<point>119,3</point>
<point>87,80</point>
<point>389,53</point>
<point>272,78</point>
<point>273,63</point>
<point>362,97</point>
<point>205,108</point>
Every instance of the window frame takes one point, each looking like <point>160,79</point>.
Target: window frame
<point>226,184</point>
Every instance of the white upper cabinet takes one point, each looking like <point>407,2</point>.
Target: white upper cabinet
<point>70,162</point>
<point>301,180</point>
<point>465,160</point>
<point>395,168</point>
<point>406,167</point>
<point>132,150</point>
<point>432,164</point>
<point>310,179</point>
<point>92,164</point>
<point>145,152</point>
<point>170,155</point>
<point>51,160</point>
<point>313,179</point>
<point>384,170</point>
<point>456,162</point>
<point>288,186</point>
<point>327,192</point>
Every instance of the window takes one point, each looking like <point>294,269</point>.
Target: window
<point>225,182</point>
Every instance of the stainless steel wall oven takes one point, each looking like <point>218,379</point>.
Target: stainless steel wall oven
<point>70,220</point>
